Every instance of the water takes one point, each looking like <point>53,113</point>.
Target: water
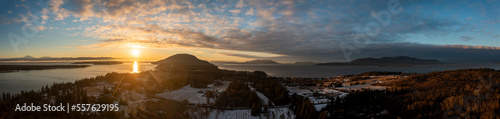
<point>14,82</point>
<point>292,70</point>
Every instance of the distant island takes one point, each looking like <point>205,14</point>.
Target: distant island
<point>30,58</point>
<point>14,68</point>
<point>99,62</point>
<point>261,62</point>
<point>306,63</point>
<point>397,61</point>
<point>250,62</point>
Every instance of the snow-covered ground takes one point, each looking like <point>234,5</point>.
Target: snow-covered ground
<point>192,95</point>
<point>309,93</point>
<point>319,106</point>
<point>262,97</point>
<point>292,90</point>
<point>329,91</point>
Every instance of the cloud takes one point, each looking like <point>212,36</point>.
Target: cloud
<point>40,28</point>
<point>472,47</point>
<point>296,29</point>
<point>236,11</point>
<point>5,20</point>
<point>55,7</point>
<point>466,38</point>
<point>240,55</point>
<point>240,4</point>
<point>250,12</point>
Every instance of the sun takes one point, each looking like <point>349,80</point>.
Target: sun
<point>135,52</point>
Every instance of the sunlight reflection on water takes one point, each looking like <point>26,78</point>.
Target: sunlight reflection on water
<point>136,68</point>
<point>14,82</point>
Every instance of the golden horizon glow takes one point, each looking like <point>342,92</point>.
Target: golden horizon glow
<point>136,67</point>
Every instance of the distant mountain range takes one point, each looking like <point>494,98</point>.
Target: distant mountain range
<point>30,58</point>
<point>306,63</point>
<point>249,62</point>
<point>384,61</point>
<point>99,62</point>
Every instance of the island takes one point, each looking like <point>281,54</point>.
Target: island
<point>397,61</point>
<point>261,62</point>
<point>31,58</point>
<point>99,62</point>
<point>305,63</point>
<point>14,68</point>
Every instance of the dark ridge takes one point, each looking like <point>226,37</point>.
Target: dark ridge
<point>385,61</point>
<point>13,68</point>
<point>249,62</point>
<point>99,62</point>
<point>30,58</point>
<point>306,63</point>
<point>261,62</point>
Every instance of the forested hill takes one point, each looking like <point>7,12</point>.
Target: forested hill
<point>180,70</point>
<point>465,93</point>
<point>185,61</point>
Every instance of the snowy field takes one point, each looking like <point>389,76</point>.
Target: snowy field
<point>262,97</point>
<point>329,91</point>
<point>319,106</point>
<point>192,95</point>
<point>309,93</point>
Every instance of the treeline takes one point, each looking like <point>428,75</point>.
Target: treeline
<point>379,73</point>
<point>269,86</point>
<point>238,94</point>
<point>174,76</point>
<point>466,93</point>
<point>302,81</point>
<point>303,108</point>
<point>365,104</point>
<point>272,89</point>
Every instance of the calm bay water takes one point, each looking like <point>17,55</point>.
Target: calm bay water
<point>14,82</point>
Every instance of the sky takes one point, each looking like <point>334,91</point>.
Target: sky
<point>242,30</point>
